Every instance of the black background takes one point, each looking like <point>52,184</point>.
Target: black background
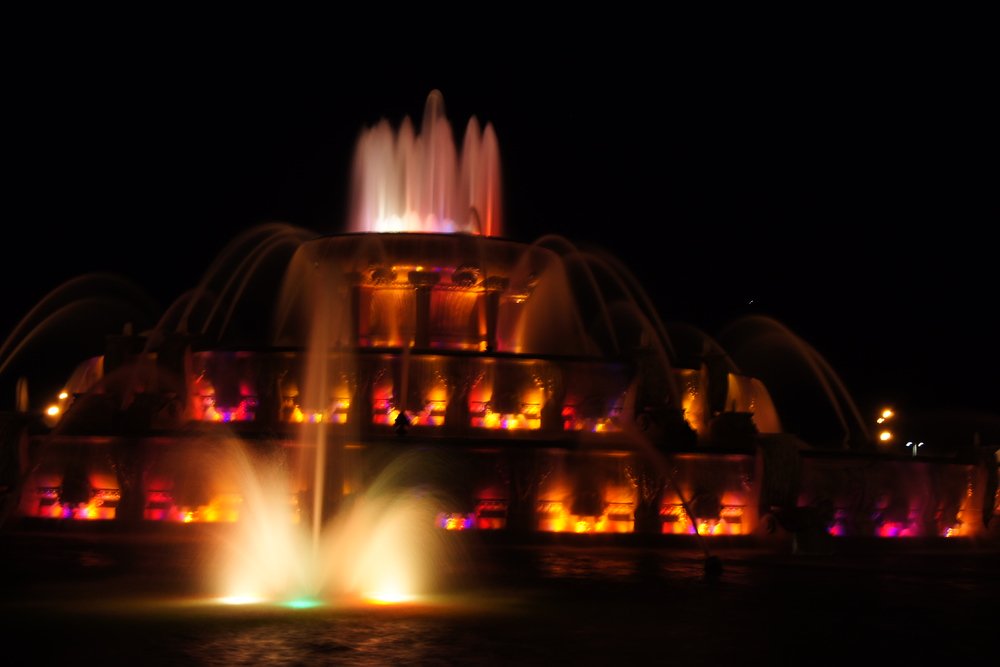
<point>845,187</point>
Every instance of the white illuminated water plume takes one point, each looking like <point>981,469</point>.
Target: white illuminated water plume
<point>381,548</point>
<point>420,182</point>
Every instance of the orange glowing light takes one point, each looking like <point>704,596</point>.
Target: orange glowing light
<point>387,597</point>
<point>455,522</point>
<point>887,413</point>
<point>885,436</point>
<point>52,410</point>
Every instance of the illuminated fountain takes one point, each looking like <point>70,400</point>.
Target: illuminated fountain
<point>366,392</point>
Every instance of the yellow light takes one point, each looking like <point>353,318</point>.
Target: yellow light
<point>241,599</point>
<point>887,413</point>
<point>387,597</point>
<point>63,395</point>
<point>393,415</point>
<point>885,436</point>
<point>52,410</point>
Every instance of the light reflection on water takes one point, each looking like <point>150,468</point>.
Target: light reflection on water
<point>620,566</point>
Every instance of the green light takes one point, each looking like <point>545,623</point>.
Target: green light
<point>303,603</point>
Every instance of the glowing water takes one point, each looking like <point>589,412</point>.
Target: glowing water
<point>305,534</point>
<point>409,182</point>
<point>381,547</point>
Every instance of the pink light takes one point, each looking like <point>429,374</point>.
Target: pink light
<point>420,181</point>
<point>890,529</point>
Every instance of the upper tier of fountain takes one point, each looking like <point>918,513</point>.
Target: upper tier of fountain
<point>478,294</point>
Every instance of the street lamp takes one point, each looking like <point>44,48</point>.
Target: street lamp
<point>885,435</point>
<point>915,446</point>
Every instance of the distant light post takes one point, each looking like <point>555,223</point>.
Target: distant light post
<point>915,446</point>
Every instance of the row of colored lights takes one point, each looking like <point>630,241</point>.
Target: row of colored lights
<point>432,415</point>
<point>553,514</point>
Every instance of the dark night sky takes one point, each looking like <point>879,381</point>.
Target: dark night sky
<point>852,198</point>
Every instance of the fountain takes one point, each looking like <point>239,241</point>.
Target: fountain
<point>339,400</point>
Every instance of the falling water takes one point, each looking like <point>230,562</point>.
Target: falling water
<point>757,340</point>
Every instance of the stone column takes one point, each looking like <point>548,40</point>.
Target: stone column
<point>495,286</point>
<point>424,282</point>
<point>354,280</point>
